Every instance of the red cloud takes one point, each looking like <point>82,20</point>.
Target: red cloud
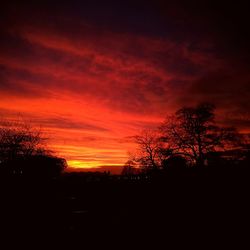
<point>91,89</point>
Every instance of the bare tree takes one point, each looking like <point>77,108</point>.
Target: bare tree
<point>20,140</point>
<point>151,152</point>
<point>131,167</point>
<point>23,149</point>
<point>192,132</point>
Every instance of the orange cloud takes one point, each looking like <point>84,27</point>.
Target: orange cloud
<point>90,89</point>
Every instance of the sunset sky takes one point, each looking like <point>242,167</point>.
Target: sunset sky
<point>94,73</point>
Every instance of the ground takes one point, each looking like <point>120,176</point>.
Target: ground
<point>191,208</point>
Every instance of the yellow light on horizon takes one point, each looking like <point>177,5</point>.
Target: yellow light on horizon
<point>88,165</point>
<point>81,164</point>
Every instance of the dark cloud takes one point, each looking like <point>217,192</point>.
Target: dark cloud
<point>228,89</point>
<point>55,122</point>
<point>64,123</point>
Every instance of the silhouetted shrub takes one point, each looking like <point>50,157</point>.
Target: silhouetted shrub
<point>175,163</point>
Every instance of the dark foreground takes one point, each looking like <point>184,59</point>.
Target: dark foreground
<point>194,208</point>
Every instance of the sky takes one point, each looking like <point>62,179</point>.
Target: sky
<point>92,74</point>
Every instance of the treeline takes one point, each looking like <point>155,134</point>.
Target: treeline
<point>189,138</point>
<point>23,152</point>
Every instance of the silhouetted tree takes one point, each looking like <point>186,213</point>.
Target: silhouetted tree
<point>192,132</point>
<point>19,140</point>
<point>150,153</point>
<point>22,151</point>
<point>130,168</point>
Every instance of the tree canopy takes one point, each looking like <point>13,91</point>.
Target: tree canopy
<point>23,152</point>
<point>192,132</point>
<point>189,135</point>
